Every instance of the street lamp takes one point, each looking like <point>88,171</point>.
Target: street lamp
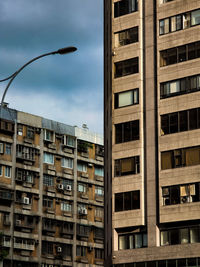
<point>61,51</point>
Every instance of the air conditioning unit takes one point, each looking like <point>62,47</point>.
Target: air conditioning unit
<point>90,164</point>
<point>83,211</point>
<point>26,200</point>
<point>69,188</point>
<point>60,186</point>
<point>59,249</point>
<point>18,222</point>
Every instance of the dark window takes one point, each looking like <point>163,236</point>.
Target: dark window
<point>127,131</point>
<point>126,37</point>
<point>180,121</point>
<point>179,54</point>
<point>124,7</point>
<point>126,67</point>
<point>127,201</point>
<point>127,166</point>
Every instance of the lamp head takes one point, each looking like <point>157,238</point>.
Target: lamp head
<point>66,50</point>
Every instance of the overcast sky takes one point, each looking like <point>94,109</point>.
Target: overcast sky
<point>66,88</point>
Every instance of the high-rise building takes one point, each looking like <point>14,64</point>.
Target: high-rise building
<point>152,133</point>
<point>51,193</point>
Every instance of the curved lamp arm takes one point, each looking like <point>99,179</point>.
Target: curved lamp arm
<point>60,51</point>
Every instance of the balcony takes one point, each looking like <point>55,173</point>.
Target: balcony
<point>6,242</point>
<point>6,195</point>
<point>24,246</point>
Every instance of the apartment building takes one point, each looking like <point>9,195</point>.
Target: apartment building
<point>51,192</point>
<point>152,133</point>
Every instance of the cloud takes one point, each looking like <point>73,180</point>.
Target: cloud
<point>33,27</point>
<point>75,110</point>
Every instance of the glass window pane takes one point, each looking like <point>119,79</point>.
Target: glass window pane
<point>181,53</point>
<point>193,119</point>
<point>125,98</point>
<point>174,237</point>
<point>183,123</point>
<point>195,17</point>
<point>184,236</point>
<point>173,24</point>
<point>119,202</point>
<point>194,235</point>
<point>127,201</point>
<point>122,242</point>
<point>164,238</point>
<point>138,241</point>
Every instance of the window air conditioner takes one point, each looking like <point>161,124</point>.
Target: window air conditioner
<point>26,200</point>
<point>18,222</point>
<point>90,164</point>
<point>60,186</point>
<point>69,188</point>
<point>59,249</point>
<point>84,211</point>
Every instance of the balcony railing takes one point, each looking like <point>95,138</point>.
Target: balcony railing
<point>24,246</point>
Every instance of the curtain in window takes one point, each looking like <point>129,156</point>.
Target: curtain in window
<point>192,156</point>
<point>166,160</point>
<point>125,99</point>
<point>195,17</point>
<point>126,165</point>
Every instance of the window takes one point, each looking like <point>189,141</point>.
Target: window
<point>48,180</point>
<point>99,150</point>
<point>19,129</point>
<point>66,183</point>
<point>1,170</point>
<point>180,235</point>
<point>26,153</point>
<point>182,86</point>
<point>99,212</point>
<point>66,206</point>
<point>183,157</point>
<point>180,121</point>
<point>180,194</point>
<point>195,17</point>
<point>126,37</point>
<point>180,22</point>
<point>48,158</point>
<point>30,132</point>
<point>7,171</point>
<point>99,190</point>
<point>47,248</point>
<point>1,148</point>
<point>98,233</point>
<point>179,54</point>
<point>68,141</point>
<point>127,98</point>
<point>82,209</point>
<point>48,135</point>
<point>127,131</point>
<point>99,253</point>
<point>67,163</point>
<point>81,167</point>
<point>48,202</point>
<point>124,7</point>
<point>82,188</point>
<point>131,240</point>
<point>126,67</point>
<point>127,166</point>
<point>99,171</point>
<point>127,201</point>
<point>8,149</point>
<point>25,175</point>
<point>83,230</point>
<point>81,251</point>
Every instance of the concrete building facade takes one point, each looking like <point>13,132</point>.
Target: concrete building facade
<point>51,192</point>
<point>152,156</point>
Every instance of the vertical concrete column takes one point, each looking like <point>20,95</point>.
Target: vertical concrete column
<point>40,202</point>
<point>12,215</point>
<point>75,205</point>
<point>150,121</point>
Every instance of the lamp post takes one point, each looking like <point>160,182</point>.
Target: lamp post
<point>60,51</point>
